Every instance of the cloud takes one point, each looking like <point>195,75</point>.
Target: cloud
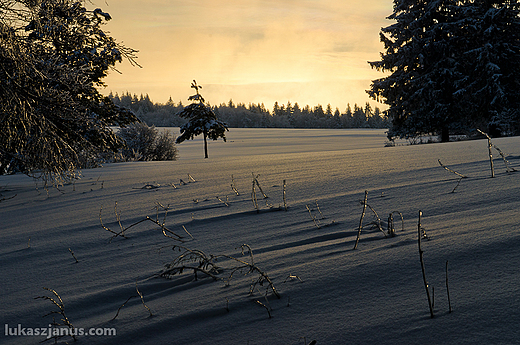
<point>297,44</point>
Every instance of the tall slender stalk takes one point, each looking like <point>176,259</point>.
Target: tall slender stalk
<point>284,199</point>
<point>422,264</point>
<point>490,145</point>
<point>448,288</point>
<point>361,219</point>
<point>233,186</point>
<point>253,195</point>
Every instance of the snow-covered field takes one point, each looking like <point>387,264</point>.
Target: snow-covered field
<point>329,292</point>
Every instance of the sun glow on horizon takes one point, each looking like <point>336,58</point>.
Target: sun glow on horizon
<point>307,52</point>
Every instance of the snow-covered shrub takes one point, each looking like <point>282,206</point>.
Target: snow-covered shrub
<point>165,149</point>
<point>144,143</point>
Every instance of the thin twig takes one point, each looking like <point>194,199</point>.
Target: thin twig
<point>222,201</point>
<point>284,197</point>
<point>506,162</point>
<point>448,288</point>
<point>490,145</point>
<point>253,195</point>
<point>378,223</point>
<point>318,208</point>
<point>458,182</point>
<point>58,302</point>
<point>452,171</point>
<point>122,305</point>
<point>361,220</point>
<point>233,186</point>
<point>316,221</point>
<point>142,298</point>
<point>263,305</point>
<point>420,235</point>
<point>74,256</point>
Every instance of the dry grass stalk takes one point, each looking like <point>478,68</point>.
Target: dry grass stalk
<point>448,288</point>
<point>293,277</point>
<point>461,176</point>
<point>139,294</point>
<point>58,302</point>
<point>5,198</point>
<point>191,179</point>
<point>185,230</point>
<point>402,219</point>
<point>194,260</point>
<point>121,307</point>
<point>142,298</point>
<point>318,208</point>
<point>199,262</point>
<point>266,308</point>
<point>255,184</point>
<point>458,183</point>
<point>166,232</point>
<point>233,186</point>
<point>450,170</point>
<point>490,145</point>
<point>390,225</point>
<point>377,222</point>
<point>284,196</point>
<point>316,221</point>
<point>252,268</point>
<point>74,256</point>
<point>255,180</point>
<point>222,201</point>
<point>361,220</point>
<point>509,169</point>
<point>253,197</point>
<point>421,254</point>
<point>107,228</point>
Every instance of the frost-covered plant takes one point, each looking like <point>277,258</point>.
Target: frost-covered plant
<point>166,232</point>
<point>144,143</point>
<point>58,302</point>
<point>251,267</point>
<point>192,260</point>
<point>165,149</point>
<point>140,295</point>
<point>421,234</point>
<point>199,262</point>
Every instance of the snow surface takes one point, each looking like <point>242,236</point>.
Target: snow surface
<point>371,295</point>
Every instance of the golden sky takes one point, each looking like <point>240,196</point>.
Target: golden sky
<point>260,51</point>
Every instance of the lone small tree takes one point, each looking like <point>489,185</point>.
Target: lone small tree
<point>201,120</point>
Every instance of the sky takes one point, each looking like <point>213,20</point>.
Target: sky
<point>251,51</point>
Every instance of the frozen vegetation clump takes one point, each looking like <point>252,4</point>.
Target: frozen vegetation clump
<point>145,143</point>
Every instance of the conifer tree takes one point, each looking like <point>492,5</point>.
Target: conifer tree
<point>201,120</point>
<point>491,63</point>
<point>454,66</point>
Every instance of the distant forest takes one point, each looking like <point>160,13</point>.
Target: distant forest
<point>257,115</point>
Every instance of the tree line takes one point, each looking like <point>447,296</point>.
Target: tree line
<point>240,115</point>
